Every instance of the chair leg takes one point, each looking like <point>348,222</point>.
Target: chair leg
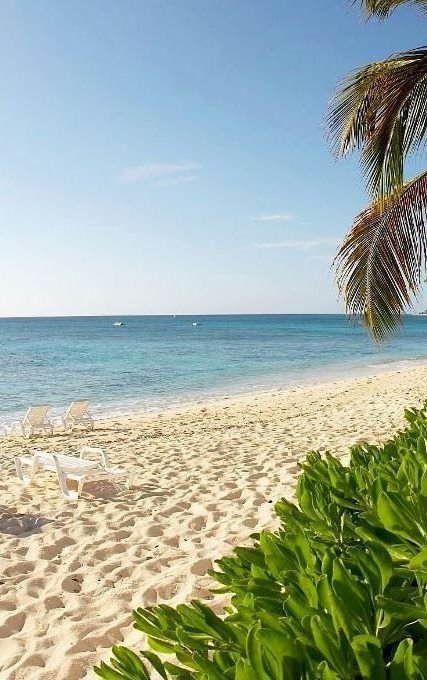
<point>62,479</point>
<point>19,428</point>
<point>26,433</point>
<point>20,472</point>
<point>25,479</point>
<point>69,494</point>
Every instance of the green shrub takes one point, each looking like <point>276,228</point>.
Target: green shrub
<point>338,593</point>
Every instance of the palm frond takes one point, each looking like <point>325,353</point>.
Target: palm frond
<point>383,8</point>
<point>382,110</point>
<point>380,263</point>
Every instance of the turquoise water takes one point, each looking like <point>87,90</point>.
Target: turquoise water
<point>154,361</point>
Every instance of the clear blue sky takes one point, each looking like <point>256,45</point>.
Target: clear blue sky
<point>170,157</point>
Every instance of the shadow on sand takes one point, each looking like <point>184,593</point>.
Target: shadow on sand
<point>21,524</point>
<point>109,491</point>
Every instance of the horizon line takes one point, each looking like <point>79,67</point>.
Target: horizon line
<point>192,315</point>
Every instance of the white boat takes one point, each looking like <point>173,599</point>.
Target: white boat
<point>196,323</point>
<point>119,323</point>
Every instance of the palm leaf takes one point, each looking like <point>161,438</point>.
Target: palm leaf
<point>380,262</point>
<point>382,110</point>
<point>383,8</point>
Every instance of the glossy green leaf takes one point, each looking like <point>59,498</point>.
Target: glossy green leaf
<point>156,663</point>
<point>368,652</point>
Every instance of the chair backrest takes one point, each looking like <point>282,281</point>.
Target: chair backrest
<point>36,415</point>
<point>94,450</point>
<point>78,408</point>
<point>65,460</point>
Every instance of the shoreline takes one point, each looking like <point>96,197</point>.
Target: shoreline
<point>328,378</point>
<point>116,413</point>
<point>206,479</point>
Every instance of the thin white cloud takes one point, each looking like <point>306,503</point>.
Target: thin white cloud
<point>273,217</point>
<point>178,180</point>
<point>155,171</point>
<point>305,244</point>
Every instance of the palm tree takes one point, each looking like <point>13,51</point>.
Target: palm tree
<point>381,110</point>
<point>384,7</point>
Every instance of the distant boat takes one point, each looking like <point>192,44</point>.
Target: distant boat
<point>119,323</point>
<point>196,323</point>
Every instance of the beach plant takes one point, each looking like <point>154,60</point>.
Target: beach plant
<point>339,592</point>
<point>380,110</point>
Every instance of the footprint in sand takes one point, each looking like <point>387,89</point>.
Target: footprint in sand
<point>129,522</point>
<point>258,475</point>
<point>49,552</point>
<point>155,530</point>
<point>121,535</point>
<point>168,590</point>
<point>149,597</point>
<point>258,501</point>
<point>171,542</point>
<point>117,549</point>
<point>20,568</point>
<point>7,605</point>
<point>73,583</point>
<point>34,587</point>
<point>175,509</point>
<point>198,523</point>
<point>232,495</point>
<point>13,624</point>
<point>250,522</point>
<point>200,567</point>
<point>34,660</point>
<point>53,602</point>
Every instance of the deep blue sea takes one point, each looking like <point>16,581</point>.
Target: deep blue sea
<point>154,361</point>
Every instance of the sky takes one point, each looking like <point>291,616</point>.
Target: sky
<point>170,156</point>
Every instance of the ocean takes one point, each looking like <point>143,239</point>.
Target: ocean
<point>156,361</point>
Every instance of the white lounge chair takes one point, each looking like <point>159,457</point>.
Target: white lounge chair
<point>35,421</point>
<point>77,415</point>
<point>69,467</point>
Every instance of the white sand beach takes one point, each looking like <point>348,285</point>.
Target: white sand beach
<point>206,478</point>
